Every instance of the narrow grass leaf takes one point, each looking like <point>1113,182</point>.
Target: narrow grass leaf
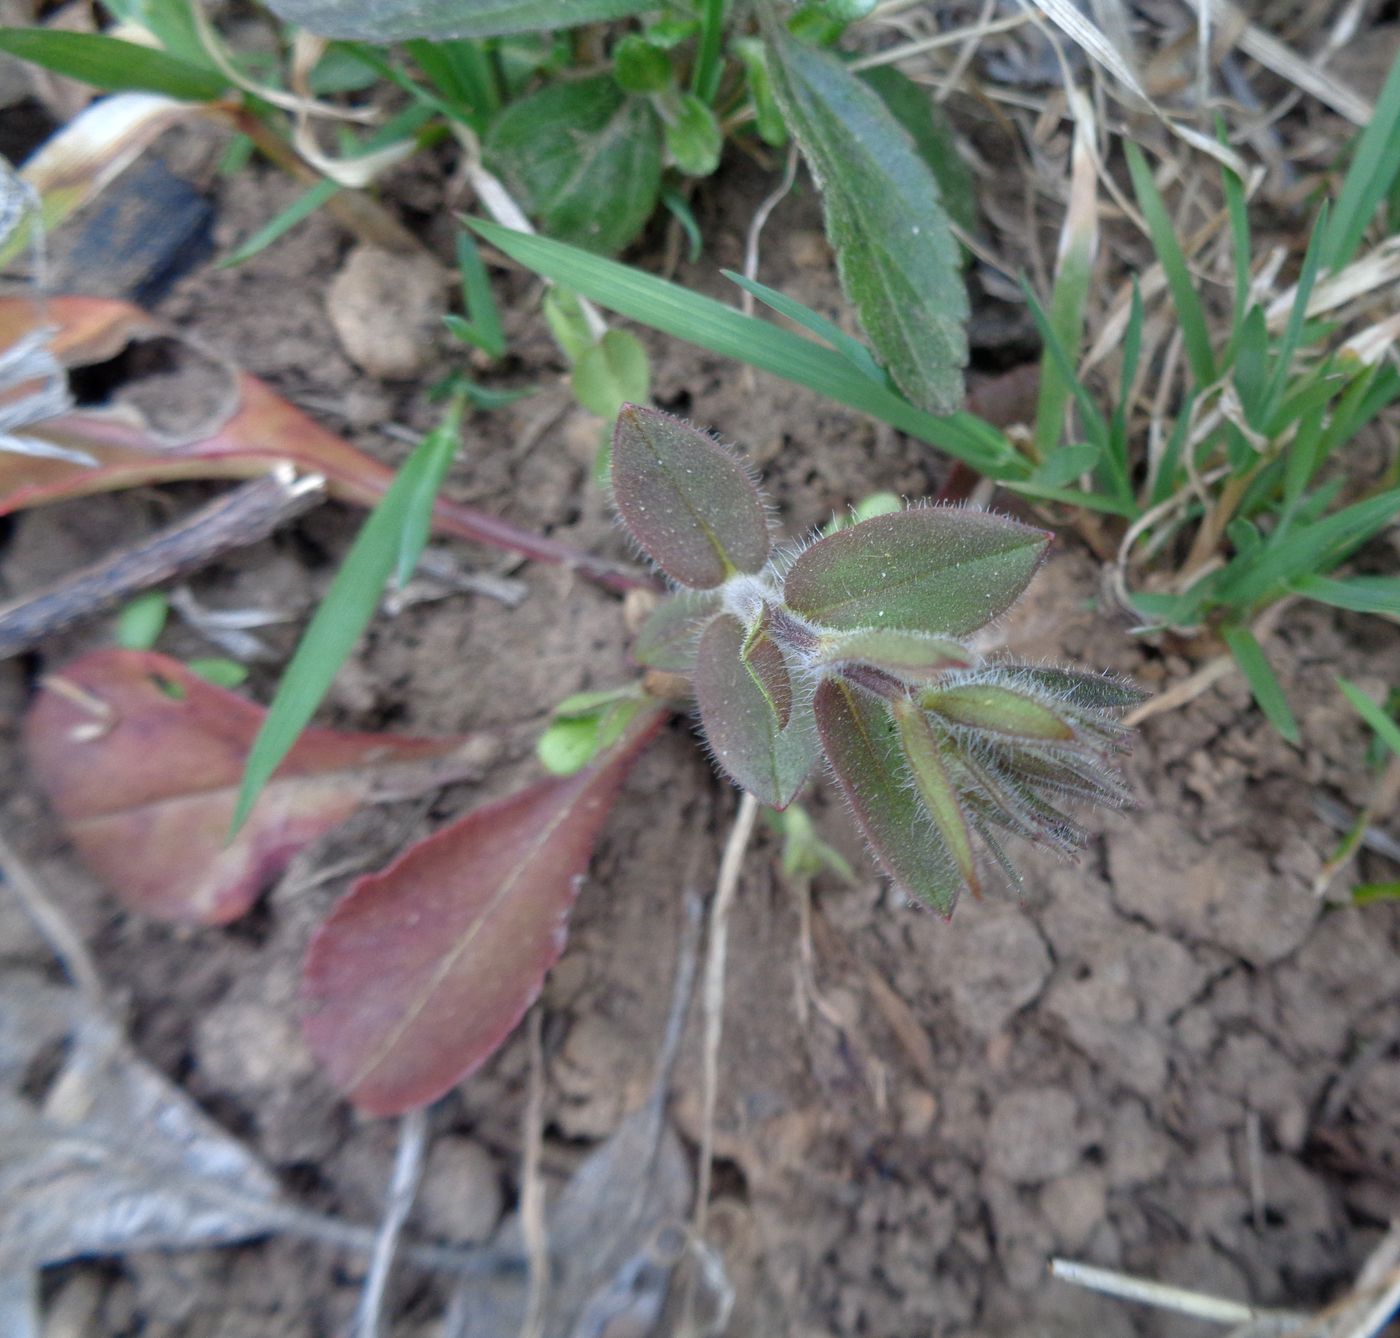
<point>896,255</point>
<point>394,20</point>
<point>301,208</point>
<point>343,615</point>
<point>479,303</point>
<point>1386,729</point>
<point>1369,179</point>
<point>112,64</point>
<point>828,331</point>
<point>1194,330</point>
<point>721,329</point>
<point>439,448</point>
<point>1360,594</point>
<point>1249,655</point>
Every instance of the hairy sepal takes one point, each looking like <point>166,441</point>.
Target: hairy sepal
<point>909,656</point>
<point>861,739</point>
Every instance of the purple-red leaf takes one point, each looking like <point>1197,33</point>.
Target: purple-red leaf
<point>142,760</point>
<point>862,742</point>
<point>942,571</point>
<point>742,725</point>
<point>764,660</point>
<point>422,970</point>
<point>670,637</point>
<point>686,500</point>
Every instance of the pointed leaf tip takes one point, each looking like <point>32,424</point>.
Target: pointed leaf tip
<point>940,571</point>
<point>422,970</point>
<point>686,500</point>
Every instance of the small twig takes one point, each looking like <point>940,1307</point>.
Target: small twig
<point>242,517</point>
<point>403,1189</point>
<point>533,1225</point>
<point>1213,1309</point>
<point>713,996</point>
<point>58,933</point>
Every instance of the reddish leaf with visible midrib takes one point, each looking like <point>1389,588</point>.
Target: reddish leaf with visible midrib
<point>142,760</point>
<point>421,971</point>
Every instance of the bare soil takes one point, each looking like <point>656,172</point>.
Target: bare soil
<point>1170,1058</point>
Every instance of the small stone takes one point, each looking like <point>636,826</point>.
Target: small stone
<point>1033,1136</point>
<point>918,1109</point>
<point>1074,1205</point>
<point>386,310</point>
<point>460,1199</point>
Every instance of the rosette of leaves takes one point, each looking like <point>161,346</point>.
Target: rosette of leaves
<point>854,648</point>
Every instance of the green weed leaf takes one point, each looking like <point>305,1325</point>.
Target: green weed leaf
<point>745,734</point>
<point>611,373</point>
<point>944,572</point>
<point>862,742</point>
<point>112,64</point>
<point>583,158</point>
<point>393,20</point>
<point>898,261</point>
<point>670,638</point>
<point>390,540</point>
<point>686,500</point>
<point>693,136</point>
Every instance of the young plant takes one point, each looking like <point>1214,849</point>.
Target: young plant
<point>854,648</point>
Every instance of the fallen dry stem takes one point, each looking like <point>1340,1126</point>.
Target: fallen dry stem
<point>712,997</point>
<point>403,1189</point>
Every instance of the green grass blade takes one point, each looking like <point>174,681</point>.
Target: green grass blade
<point>379,549</point>
<point>301,208</point>
<point>1292,335</point>
<point>483,317</point>
<point>1194,331</point>
<point>1056,355</point>
<point>701,320</point>
<point>1372,173</point>
<point>1238,213</point>
<point>1249,655</point>
<point>1090,501</point>
<point>1360,594</point>
<point>827,331</point>
<point>438,449</point>
<point>1386,729</point>
<point>112,64</point>
<point>1310,549</point>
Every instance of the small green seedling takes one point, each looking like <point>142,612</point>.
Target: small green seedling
<point>853,648</point>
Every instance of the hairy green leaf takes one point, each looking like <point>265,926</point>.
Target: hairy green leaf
<point>394,20</point>
<point>944,572</point>
<point>583,158</point>
<point>935,787</point>
<point>741,726</point>
<point>686,499</point>
<point>898,260</point>
<point>862,742</point>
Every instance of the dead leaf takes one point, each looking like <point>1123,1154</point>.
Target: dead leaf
<point>116,1158</point>
<point>422,970</point>
<point>142,760</point>
<point>255,431</point>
